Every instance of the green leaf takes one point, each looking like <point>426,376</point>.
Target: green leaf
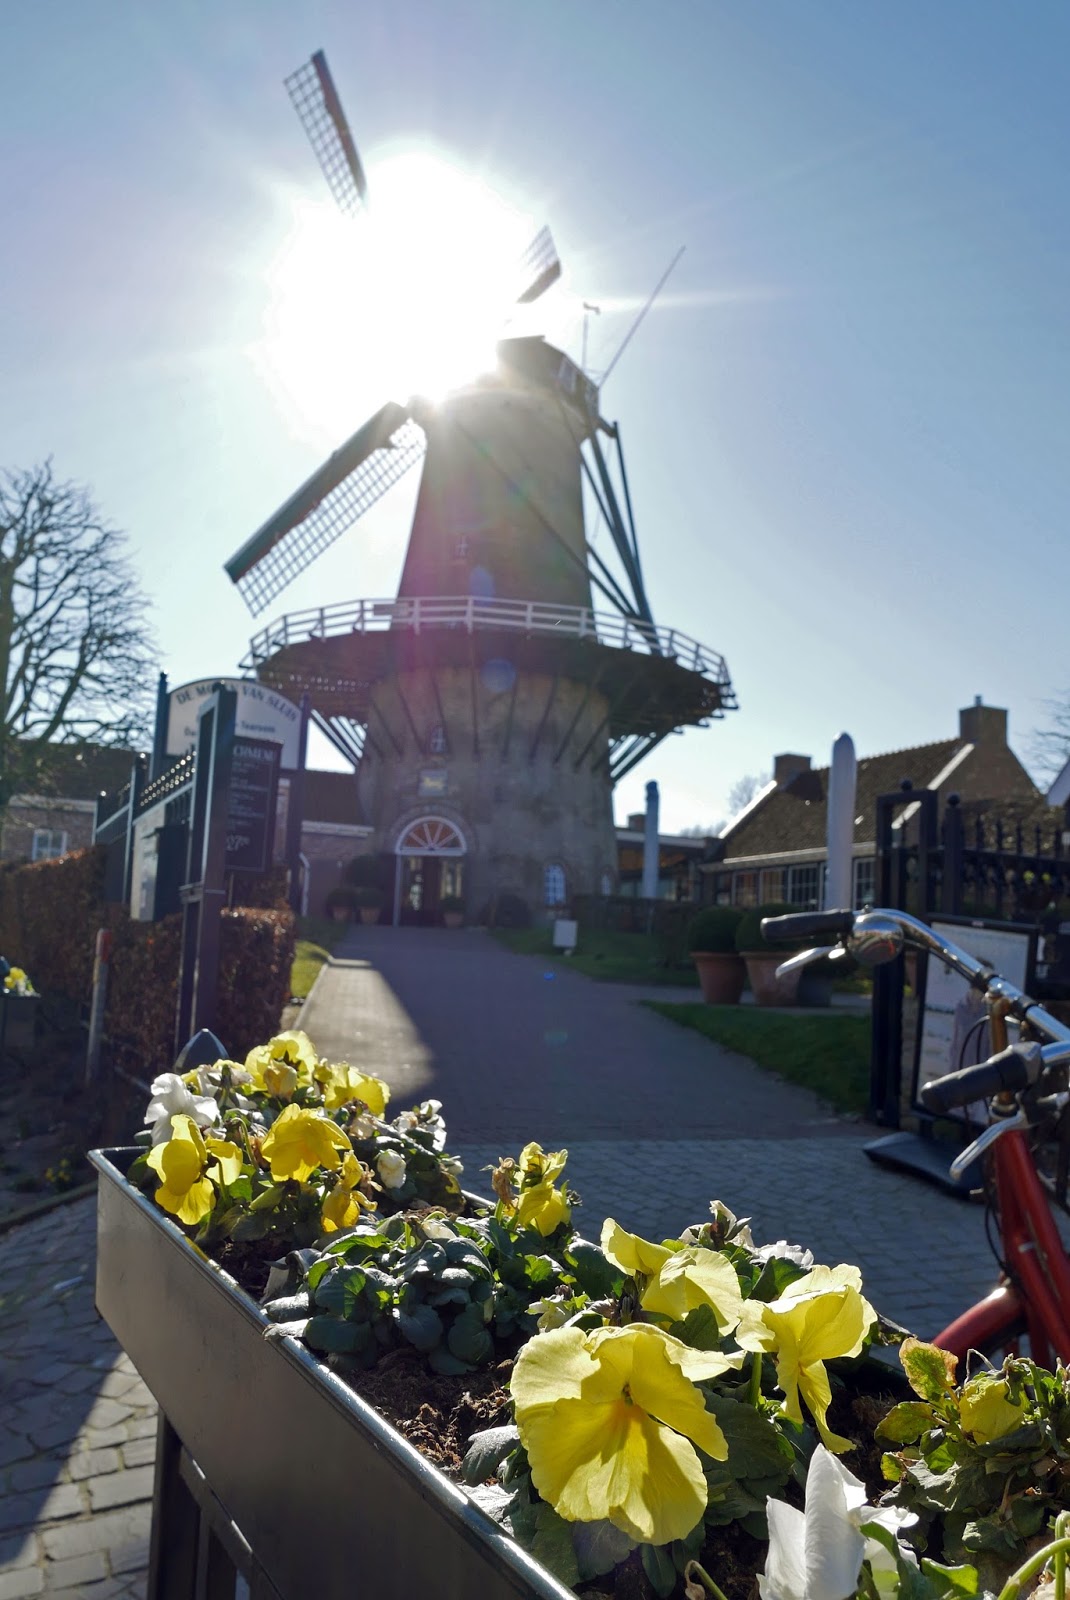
<point>486,1452</point>
<point>339,1289</point>
<point>930,1371</point>
<point>595,1273</point>
<point>549,1539</point>
<point>956,1580</point>
<point>248,1227</point>
<point>599,1547</point>
<point>699,1329</point>
<point>905,1422</point>
<point>660,1568</point>
<point>774,1278</point>
<point>756,1446</point>
<point>332,1336</point>
<point>287,1308</point>
<point>440,1360</point>
<point>468,1338</point>
<point>421,1326</point>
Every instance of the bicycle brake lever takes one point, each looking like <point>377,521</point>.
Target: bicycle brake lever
<point>806,958</point>
<point>967,1157</point>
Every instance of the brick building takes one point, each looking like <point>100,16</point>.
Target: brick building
<point>776,850</point>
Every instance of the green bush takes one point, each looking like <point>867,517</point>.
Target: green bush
<point>714,929</point>
<point>749,933</point>
<point>368,898</point>
<point>342,898</point>
<point>368,872</point>
<point>451,902</point>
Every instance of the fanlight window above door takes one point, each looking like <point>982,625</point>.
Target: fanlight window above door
<point>431,836</point>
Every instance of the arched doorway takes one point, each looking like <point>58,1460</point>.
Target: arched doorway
<point>430,863</point>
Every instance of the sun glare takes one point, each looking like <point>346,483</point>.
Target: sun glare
<point>410,298</point>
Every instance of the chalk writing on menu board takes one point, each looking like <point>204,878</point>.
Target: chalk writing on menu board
<point>254,778</point>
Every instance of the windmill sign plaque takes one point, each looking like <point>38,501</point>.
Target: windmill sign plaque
<point>492,646</point>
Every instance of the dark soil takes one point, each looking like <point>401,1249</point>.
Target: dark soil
<point>436,1414</point>
<point>49,1119</point>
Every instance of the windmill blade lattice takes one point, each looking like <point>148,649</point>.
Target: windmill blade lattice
<point>538,268</point>
<point>316,102</point>
<point>346,486</point>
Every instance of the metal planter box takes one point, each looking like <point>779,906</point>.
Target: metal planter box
<point>311,1492</point>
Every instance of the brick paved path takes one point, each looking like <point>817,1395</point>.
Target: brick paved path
<point>658,1122</point>
<point>77,1425</point>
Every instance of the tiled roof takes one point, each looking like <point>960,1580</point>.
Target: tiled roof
<point>796,817</point>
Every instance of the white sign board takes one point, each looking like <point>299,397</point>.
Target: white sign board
<point>952,1007</point>
<point>262,714</point>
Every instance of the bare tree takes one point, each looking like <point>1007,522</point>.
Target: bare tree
<point>75,650</point>
<point>1048,748</point>
<point>744,789</point>
<point>698,831</point>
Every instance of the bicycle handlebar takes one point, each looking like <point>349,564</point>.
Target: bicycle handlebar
<point>1012,1069</point>
<point>808,924</point>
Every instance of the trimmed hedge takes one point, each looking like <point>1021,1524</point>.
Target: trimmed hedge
<point>49,916</point>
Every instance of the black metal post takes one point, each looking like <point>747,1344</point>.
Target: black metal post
<point>295,812</point>
<point>204,892</point>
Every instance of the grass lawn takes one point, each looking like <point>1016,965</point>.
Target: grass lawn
<point>610,957</point>
<point>316,938</point>
<point>828,1054</point>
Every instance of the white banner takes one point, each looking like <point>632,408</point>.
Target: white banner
<point>262,714</point>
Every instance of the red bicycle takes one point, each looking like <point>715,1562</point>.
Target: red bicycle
<point>1025,1148</point>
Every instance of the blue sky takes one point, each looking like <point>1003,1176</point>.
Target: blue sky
<point>845,422</point>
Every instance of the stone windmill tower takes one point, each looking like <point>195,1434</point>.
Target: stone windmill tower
<point>490,707</point>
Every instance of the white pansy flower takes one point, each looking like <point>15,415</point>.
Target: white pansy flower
<point>817,1554</point>
<point>452,1165</point>
<point>391,1169</point>
<point>170,1098</point>
<point>362,1126</point>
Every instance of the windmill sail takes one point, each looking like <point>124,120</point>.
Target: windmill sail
<point>347,484</point>
<point>316,102</point>
<point>538,267</point>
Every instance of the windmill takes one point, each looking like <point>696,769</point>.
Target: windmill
<point>490,707</point>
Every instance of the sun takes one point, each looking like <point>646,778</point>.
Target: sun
<point>409,298</point>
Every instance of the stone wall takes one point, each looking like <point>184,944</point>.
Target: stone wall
<point>24,816</point>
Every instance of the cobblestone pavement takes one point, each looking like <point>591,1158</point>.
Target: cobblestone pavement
<point>658,1122</point>
<point>77,1425</point>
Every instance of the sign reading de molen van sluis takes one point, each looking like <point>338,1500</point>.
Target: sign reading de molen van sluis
<point>251,796</point>
<point>262,714</point>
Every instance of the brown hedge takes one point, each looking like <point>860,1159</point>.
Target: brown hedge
<point>49,916</point>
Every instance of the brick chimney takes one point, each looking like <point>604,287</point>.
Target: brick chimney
<point>787,767</point>
<point>982,724</point>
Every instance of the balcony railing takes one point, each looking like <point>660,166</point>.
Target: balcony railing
<point>424,614</point>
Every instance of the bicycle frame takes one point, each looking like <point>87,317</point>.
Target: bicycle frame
<point>1034,1255</point>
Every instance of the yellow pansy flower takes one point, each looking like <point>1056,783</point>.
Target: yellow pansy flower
<point>679,1281</point>
<point>820,1316</point>
<point>610,1420</point>
<point>189,1166</point>
<point>542,1207</point>
<point>630,1253</point>
<point>282,1065</point>
<point>299,1141</point>
<point>540,1166</point>
<point>985,1410</point>
<point>342,1084</point>
<point>343,1206</point>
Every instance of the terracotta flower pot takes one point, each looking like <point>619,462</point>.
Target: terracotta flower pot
<point>721,976</point>
<point>768,989</point>
<point>369,915</point>
<point>453,919</point>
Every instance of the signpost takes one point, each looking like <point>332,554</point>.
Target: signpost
<point>231,829</point>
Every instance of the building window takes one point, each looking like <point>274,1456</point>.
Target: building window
<point>48,842</point>
<point>865,872</point>
<point>554,884</point>
<point>437,743</point>
<point>772,890</point>
<point>606,884</point>
<point>745,889</point>
<point>804,886</point>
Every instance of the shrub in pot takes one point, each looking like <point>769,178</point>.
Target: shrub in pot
<point>711,940</point>
<point>762,957</point>
<point>369,902</point>
<point>342,902</point>
<point>452,908</point>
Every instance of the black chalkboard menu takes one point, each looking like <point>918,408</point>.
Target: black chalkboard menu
<point>251,797</point>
